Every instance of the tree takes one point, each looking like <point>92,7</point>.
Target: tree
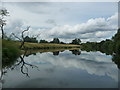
<point>76,41</point>
<point>3,14</point>
<point>62,43</point>
<point>43,41</point>
<point>22,39</point>
<point>55,40</point>
<point>116,40</point>
<point>30,39</point>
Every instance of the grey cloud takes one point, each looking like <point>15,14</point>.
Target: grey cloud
<point>33,7</point>
<point>14,26</point>
<point>76,35</point>
<point>64,10</point>
<point>51,21</point>
<point>92,29</point>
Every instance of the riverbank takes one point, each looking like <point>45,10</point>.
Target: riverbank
<point>11,51</point>
<point>46,46</point>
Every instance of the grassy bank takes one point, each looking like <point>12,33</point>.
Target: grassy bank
<point>10,52</point>
<point>47,45</point>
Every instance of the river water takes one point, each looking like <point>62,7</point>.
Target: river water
<point>64,69</point>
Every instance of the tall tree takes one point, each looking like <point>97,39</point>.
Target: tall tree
<point>3,14</point>
<point>76,41</point>
<point>55,40</point>
<point>116,40</point>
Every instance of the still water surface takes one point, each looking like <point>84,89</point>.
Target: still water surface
<point>68,69</point>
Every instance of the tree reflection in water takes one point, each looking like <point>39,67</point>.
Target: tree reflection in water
<point>115,55</point>
<point>19,62</point>
<point>24,65</point>
<point>11,65</point>
<point>76,52</point>
<point>56,53</point>
<point>116,59</point>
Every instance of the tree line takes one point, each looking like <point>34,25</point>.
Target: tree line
<point>108,46</point>
<point>55,40</point>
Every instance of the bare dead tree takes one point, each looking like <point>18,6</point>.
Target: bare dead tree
<point>16,37</point>
<point>22,39</point>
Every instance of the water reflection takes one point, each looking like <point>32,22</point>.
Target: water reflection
<point>66,70</point>
<point>21,62</point>
<point>116,59</point>
<point>76,52</point>
<point>115,54</point>
<point>18,63</point>
<point>93,62</point>
<point>23,65</point>
<point>56,53</point>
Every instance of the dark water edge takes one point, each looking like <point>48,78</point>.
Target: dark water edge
<point>60,88</point>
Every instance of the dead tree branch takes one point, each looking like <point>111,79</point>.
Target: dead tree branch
<point>22,39</point>
<point>16,37</point>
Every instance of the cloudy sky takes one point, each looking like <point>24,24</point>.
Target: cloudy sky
<point>89,21</point>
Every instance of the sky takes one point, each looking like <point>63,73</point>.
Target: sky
<point>89,21</point>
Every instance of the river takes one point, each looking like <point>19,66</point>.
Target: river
<point>63,69</point>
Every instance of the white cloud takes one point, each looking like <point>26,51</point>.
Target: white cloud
<point>113,19</point>
<point>105,34</point>
<point>50,21</point>
<point>92,29</point>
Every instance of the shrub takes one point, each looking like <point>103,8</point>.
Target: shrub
<point>10,52</point>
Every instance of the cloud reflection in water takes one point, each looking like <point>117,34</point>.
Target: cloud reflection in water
<point>93,62</point>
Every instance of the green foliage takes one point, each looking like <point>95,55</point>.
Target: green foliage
<point>106,46</point>
<point>116,40</point>
<point>43,41</point>
<point>10,52</point>
<point>110,47</point>
<point>55,40</point>
<point>89,46</point>
<point>76,41</point>
<point>30,39</point>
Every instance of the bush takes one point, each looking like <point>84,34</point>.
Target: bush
<point>10,52</point>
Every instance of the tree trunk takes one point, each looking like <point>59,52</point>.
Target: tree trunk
<point>2,31</point>
<point>22,44</point>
